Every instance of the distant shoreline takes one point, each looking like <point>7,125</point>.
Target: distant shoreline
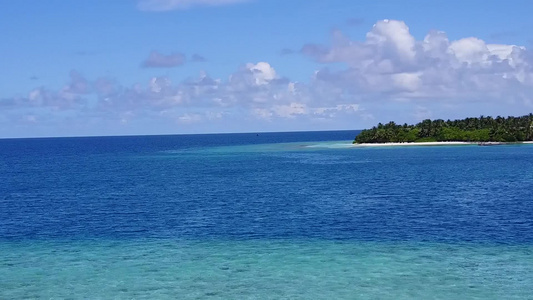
<point>490,131</point>
<point>432,144</point>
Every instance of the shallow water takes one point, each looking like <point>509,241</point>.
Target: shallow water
<point>266,269</point>
<point>268,216</point>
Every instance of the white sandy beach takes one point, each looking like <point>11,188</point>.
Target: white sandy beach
<point>414,144</point>
<point>424,144</point>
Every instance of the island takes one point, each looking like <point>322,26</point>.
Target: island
<point>482,130</point>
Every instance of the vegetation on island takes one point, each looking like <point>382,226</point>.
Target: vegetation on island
<point>482,129</point>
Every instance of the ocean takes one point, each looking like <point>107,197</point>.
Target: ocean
<point>301,215</point>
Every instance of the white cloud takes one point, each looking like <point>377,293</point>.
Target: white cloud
<point>388,76</point>
<point>262,113</point>
<point>393,39</point>
<point>469,50</point>
<point>262,72</point>
<point>435,45</point>
<point>42,98</point>
<point>190,118</point>
<point>158,84</point>
<point>255,90</point>
<point>331,111</point>
<point>407,81</point>
<point>166,5</point>
<point>392,63</point>
<point>290,110</point>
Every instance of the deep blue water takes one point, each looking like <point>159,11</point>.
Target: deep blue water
<point>433,208</point>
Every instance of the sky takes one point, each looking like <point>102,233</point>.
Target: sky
<point>138,67</point>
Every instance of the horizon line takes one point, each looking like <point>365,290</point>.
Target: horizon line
<point>168,134</point>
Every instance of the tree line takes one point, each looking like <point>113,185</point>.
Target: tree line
<point>482,129</point>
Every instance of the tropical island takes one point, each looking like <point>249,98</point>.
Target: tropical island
<point>480,130</point>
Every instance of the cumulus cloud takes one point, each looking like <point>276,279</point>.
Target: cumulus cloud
<point>255,90</point>
<point>392,63</point>
<point>388,75</point>
<point>68,97</point>
<point>159,60</point>
<point>44,98</point>
<point>167,5</point>
<point>262,72</point>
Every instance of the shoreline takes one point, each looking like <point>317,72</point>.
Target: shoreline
<point>433,144</point>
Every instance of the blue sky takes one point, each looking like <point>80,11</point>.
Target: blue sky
<point>197,66</point>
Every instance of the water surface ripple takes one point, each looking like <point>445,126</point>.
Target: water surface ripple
<point>266,216</point>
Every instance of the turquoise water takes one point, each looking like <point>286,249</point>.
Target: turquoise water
<point>268,216</point>
<point>264,270</point>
